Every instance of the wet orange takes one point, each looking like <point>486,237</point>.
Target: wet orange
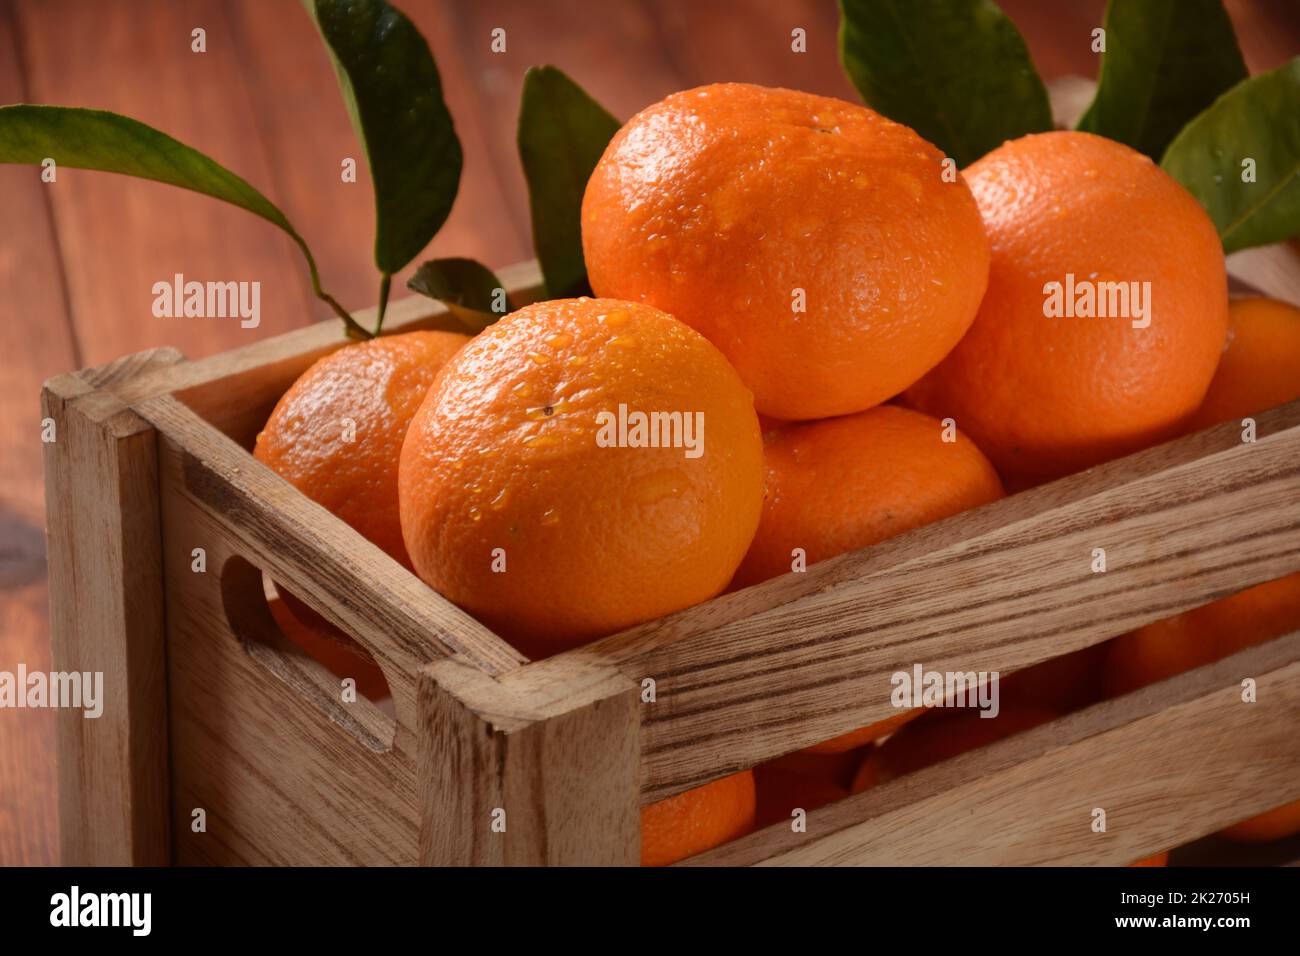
<point>1044,395</point>
<point>826,250</point>
<point>846,483</point>
<point>525,501</point>
<point>336,434</point>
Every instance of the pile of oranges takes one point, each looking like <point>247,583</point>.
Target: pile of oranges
<point>809,333</point>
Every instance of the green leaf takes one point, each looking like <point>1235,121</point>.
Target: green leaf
<point>1257,120</point>
<point>562,134</point>
<point>469,289</point>
<point>1165,61</point>
<point>394,96</point>
<point>956,71</point>
<point>109,142</point>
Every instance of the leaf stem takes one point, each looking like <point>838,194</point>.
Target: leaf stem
<point>351,326</point>
<point>384,285</point>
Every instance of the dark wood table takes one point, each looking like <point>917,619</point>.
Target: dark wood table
<point>79,257</point>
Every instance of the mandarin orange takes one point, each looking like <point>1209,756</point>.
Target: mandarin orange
<point>830,253</point>
<point>698,820</point>
<point>535,495</point>
<point>1042,382</point>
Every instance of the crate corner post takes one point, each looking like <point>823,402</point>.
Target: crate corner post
<point>541,766</point>
<point>106,614</point>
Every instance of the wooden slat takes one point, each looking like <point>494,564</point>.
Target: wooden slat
<point>285,771</point>
<point>1167,764</point>
<point>1273,271</point>
<point>106,614</point>
<point>400,621</point>
<point>805,657</point>
<point>560,772</point>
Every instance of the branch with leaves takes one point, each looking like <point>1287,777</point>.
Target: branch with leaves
<point>1172,85</point>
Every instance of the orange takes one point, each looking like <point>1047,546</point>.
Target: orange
<point>1045,396</point>
<point>337,433</point>
<point>827,251</point>
<point>530,496</point>
<point>849,482</point>
<point>940,736</point>
<point>1204,634</point>
<point>780,792</point>
<point>324,646</point>
<point>1260,366</point>
<point>698,820</point>
<point>846,483</point>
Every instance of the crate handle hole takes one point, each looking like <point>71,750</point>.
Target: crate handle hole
<point>309,654</point>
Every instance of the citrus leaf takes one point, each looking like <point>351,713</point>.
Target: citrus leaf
<point>469,289</point>
<point>956,71</point>
<point>112,143</point>
<point>562,134</point>
<point>1165,61</point>
<point>394,97</point>
<point>1252,132</point>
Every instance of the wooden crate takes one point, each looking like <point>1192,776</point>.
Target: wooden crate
<point>209,708</point>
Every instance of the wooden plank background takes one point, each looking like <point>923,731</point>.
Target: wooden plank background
<point>78,257</point>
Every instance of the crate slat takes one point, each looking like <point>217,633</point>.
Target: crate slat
<point>106,616</point>
<point>808,656</point>
<point>1167,764</point>
<point>562,768</point>
<point>402,623</point>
